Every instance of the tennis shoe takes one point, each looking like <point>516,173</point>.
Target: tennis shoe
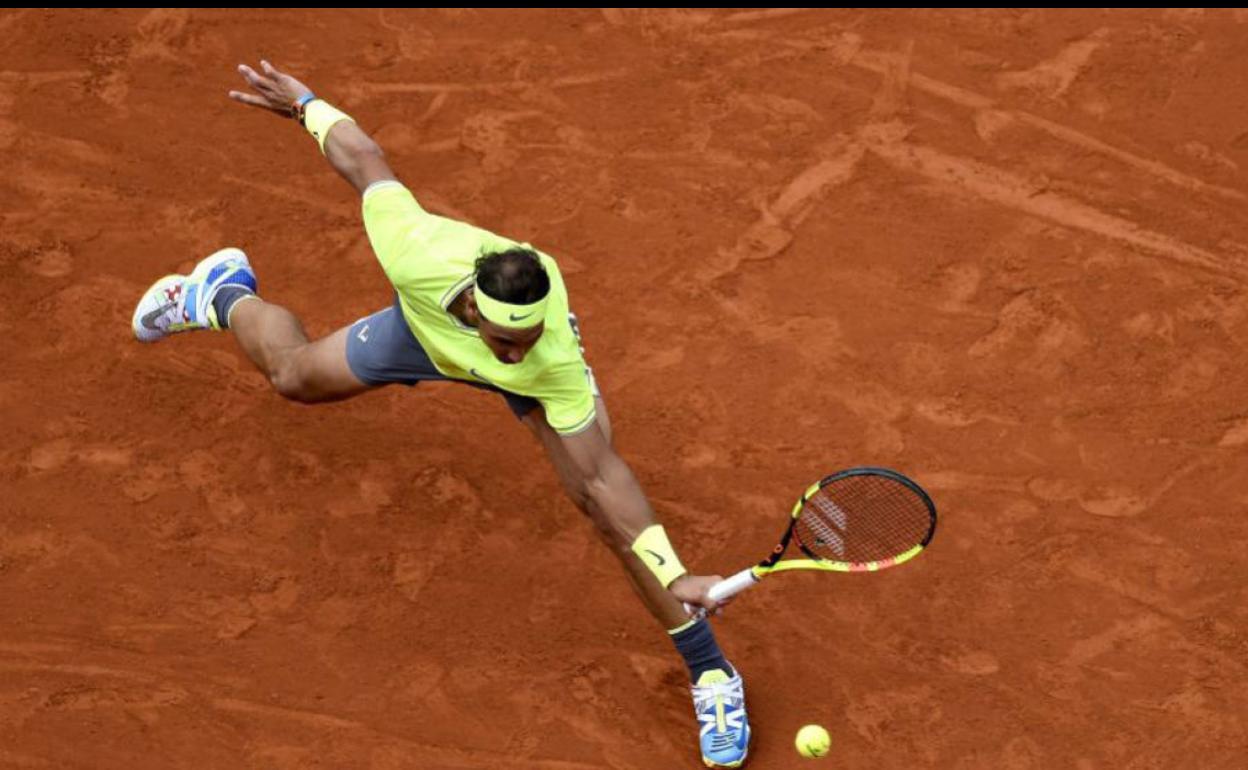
<point>183,303</point>
<point>719,702</point>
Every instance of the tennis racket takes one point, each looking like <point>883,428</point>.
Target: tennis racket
<point>859,520</point>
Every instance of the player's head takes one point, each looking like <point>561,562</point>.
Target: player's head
<point>509,299</point>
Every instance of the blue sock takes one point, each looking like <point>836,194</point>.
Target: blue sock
<point>696,644</point>
<point>225,298</point>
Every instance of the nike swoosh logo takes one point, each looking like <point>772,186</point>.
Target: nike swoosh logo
<point>662,561</point>
<point>515,317</point>
<point>148,321</point>
<point>480,376</point>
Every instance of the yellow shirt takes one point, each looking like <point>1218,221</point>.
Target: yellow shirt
<point>430,261</point>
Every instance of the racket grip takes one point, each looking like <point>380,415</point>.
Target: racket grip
<point>733,585</point>
<point>724,589</point>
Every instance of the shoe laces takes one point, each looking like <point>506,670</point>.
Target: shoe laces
<point>716,699</point>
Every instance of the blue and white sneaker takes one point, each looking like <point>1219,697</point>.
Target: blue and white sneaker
<point>719,702</point>
<point>183,303</point>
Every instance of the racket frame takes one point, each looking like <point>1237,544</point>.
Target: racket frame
<point>749,577</point>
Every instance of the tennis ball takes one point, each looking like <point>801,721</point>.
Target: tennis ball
<point>813,741</point>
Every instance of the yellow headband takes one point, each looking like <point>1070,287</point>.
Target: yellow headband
<point>506,314</point>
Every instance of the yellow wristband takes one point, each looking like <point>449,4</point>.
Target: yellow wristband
<point>654,550</point>
<point>319,116</point>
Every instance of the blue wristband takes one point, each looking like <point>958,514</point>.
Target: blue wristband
<point>296,109</point>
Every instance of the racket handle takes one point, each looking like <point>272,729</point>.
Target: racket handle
<point>724,589</point>
<point>733,585</point>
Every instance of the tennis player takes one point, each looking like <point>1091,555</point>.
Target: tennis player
<point>472,307</point>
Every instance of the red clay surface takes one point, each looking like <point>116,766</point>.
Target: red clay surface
<point>1004,252</point>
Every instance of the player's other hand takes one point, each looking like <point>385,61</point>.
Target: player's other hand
<point>692,590</point>
<point>273,90</point>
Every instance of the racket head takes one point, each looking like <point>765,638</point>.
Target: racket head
<point>863,520</point>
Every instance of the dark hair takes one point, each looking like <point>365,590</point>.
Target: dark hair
<point>515,275</point>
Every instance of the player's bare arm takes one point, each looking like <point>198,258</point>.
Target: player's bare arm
<point>603,486</point>
<point>351,152</point>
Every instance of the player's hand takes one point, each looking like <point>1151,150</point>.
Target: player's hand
<point>692,590</point>
<point>275,91</point>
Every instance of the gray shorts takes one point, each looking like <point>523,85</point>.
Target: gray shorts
<point>381,350</point>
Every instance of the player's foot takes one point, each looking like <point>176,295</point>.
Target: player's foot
<point>719,701</point>
<point>183,303</point>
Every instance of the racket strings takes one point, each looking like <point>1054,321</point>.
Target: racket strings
<point>864,518</point>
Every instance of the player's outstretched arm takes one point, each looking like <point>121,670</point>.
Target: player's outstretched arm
<point>351,152</point>
<point>609,492</point>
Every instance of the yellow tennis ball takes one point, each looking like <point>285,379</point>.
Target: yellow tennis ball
<point>813,741</point>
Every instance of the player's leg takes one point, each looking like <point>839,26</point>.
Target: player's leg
<point>220,293</point>
<point>299,369</point>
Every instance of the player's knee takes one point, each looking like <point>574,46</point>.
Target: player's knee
<point>289,388</point>
<point>290,384</point>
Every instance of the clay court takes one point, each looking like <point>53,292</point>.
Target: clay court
<point>1004,252</point>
